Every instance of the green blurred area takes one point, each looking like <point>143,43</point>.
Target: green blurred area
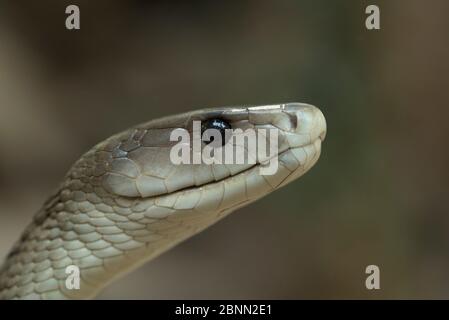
<point>378,195</point>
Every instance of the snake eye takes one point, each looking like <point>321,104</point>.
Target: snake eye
<point>214,127</point>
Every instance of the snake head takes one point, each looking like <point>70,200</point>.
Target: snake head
<point>139,162</point>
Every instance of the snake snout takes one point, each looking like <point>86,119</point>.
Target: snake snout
<point>309,120</point>
<point>320,124</point>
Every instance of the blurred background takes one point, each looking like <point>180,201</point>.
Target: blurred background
<point>378,195</point>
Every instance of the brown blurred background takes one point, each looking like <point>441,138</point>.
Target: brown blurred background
<point>378,195</point>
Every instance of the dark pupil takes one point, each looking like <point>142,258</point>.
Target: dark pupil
<point>217,124</point>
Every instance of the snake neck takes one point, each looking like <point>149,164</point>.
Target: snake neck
<point>102,235</point>
<point>101,240</point>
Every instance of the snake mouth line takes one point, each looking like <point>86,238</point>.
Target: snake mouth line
<point>240,173</point>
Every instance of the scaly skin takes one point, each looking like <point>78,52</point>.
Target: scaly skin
<point>123,202</point>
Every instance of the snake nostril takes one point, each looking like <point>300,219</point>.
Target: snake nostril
<point>309,120</point>
<point>323,136</point>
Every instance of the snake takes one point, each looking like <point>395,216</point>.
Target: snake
<point>125,202</point>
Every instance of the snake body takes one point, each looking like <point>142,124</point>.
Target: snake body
<point>124,202</point>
